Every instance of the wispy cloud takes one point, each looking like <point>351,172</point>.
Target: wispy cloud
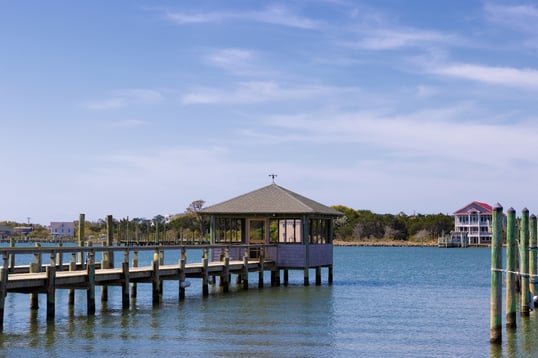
<point>234,60</point>
<point>525,78</point>
<point>521,17</point>
<point>123,98</point>
<point>435,133</point>
<point>396,38</point>
<point>275,15</point>
<point>257,92</point>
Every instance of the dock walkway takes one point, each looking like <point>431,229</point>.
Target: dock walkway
<point>83,273</point>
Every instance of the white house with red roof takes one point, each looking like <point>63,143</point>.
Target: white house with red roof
<point>474,220</point>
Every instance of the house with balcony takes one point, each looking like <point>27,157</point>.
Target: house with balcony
<point>473,221</point>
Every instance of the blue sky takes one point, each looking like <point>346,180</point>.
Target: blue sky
<point>138,108</point>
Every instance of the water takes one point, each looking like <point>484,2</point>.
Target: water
<point>385,302</point>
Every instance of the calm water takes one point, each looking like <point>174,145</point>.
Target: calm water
<point>385,302</point>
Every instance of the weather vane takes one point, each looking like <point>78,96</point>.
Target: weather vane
<point>273,176</point>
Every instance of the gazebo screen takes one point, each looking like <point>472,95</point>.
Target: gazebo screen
<point>228,230</point>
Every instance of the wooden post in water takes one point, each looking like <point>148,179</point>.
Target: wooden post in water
<point>330,274</point>
<point>135,264</point>
<point>260,274</point>
<point>155,279</point>
<point>511,277</point>
<point>205,273</point>
<point>226,274</point>
<point>245,270</point>
<point>34,268</point>
<point>71,291</point>
<point>524,261</point>
<point>3,286</point>
<point>495,323</point>
<point>182,275</point>
<point>306,279</point>
<point>51,287</point>
<point>125,284</point>
<point>318,275</point>
<point>286,277</point>
<point>90,293</point>
<point>532,254</point>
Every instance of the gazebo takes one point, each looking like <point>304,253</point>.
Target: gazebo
<point>296,232</point>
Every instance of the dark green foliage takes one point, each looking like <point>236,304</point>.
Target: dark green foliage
<point>365,225</point>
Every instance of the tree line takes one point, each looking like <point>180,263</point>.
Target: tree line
<point>360,225</point>
<point>355,225</point>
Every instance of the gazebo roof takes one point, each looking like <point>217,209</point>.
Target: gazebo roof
<point>271,199</point>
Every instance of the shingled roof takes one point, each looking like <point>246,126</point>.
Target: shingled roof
<point>271,199</point>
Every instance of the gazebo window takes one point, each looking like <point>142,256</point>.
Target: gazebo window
<point>228,230</point>
<point>319,231</point>
<point>287,231</point>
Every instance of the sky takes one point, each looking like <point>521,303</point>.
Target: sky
<point>138,108</point>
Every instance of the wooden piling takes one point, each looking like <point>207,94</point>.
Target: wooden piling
<point>495,335</point>
<point>71,291</point>
<point>260,273</point>
<point>330,274</point>
<point>90,293</point>
<point>35,267</point>
<point>286,277</point>
<point>205,273</point>
<point>182,275</point>
<point>245,270</point>
<point>125,284</point>
<point>226,272</point>
<point>135,264</point>
<point>532,254</point>
<point>318,276</point>
<point>12,256</point>
<point>306,278</point>
<point>3,287</point>
<point>155,279</point>
<point>51,288</point>
<point>511,277</point>
<point>524,261</point>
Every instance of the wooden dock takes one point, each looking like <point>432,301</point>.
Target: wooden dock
<point>82,272</point>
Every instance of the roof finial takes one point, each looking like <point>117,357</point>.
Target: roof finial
<point>273,176</point>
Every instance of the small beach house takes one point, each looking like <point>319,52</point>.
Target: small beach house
<point>474,219</point>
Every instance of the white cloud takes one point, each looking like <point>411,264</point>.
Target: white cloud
<point>257,92</point>
<point>275,15</point>
<point>521,17</point>
<point>396,38</point>
<point>125,97</point>
<point>505,76</point>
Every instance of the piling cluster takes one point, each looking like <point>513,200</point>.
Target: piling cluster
<point>521,268</point>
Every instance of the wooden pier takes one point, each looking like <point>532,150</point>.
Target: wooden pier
<point>82,272</point>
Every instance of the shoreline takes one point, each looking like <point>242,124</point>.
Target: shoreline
<point>393,243</point>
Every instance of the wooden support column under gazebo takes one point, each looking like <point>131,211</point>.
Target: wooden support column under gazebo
<point>297,230</point>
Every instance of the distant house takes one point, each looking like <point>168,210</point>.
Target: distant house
<point>59,229</point>
<point>5,232</point>
<point>474,220</point>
